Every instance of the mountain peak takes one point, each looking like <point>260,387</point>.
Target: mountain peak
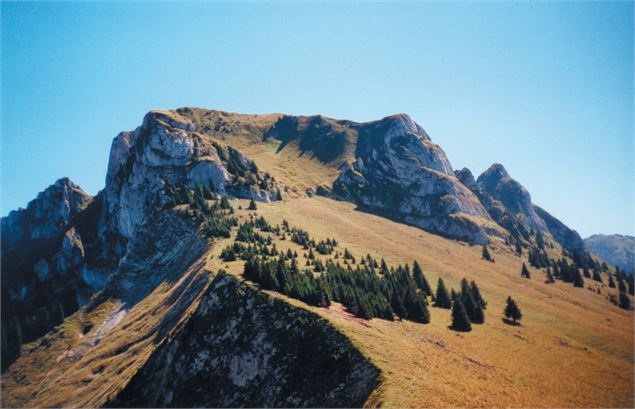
<point>494,173</point>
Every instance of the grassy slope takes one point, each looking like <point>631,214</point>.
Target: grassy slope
<point>68,368</point>
<point>574,349</point>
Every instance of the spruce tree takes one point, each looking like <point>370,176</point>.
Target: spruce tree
<point>486,254</point>
<point>420,279</point>
<point>442,298</point>
<point>596,276</point>
<point>624,302</point>
<point>621,286</point>
<point>578,281</point>
<point>252,205</point>
<point>550,278</point>
<point>611,281</point>
<point>460,319</point>
<point>524,272</point>
<point>512,311</point>
<point>476,293</point>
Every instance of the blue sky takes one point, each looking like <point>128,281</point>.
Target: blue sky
<point>544,88</point>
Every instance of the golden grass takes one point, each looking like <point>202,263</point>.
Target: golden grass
<point>75,371</point>
<point>574,349</point>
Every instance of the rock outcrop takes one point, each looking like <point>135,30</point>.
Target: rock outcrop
<point>617,249</point>
<point>510,205</point>
<point>41,251</point>
<point>391,167</point>
<point>243,348</point>
<point>166,149</point>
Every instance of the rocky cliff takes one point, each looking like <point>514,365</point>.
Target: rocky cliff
<point>42,251</point>
<point>617,249</point>
<point>391,167</point>
<point>510,205</point>
<point>167,149</point>
<point>242,348</point>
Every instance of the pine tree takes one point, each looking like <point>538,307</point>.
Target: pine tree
<point>550,278</point>
<point>621,286</point>
<point>486,254</point>
<point>624,302</point>
<point>224,203</point>
<point>596,276</point>
<point>460,319</point>
<point>512,311</point>
<point>611,281</point>
<point>476,293</point>
<point>252,205</point>
<point>420,279</point>
<point>578,281</point>
<point>397,306</point>
<point>442,298</point>
<point>519,249</point>
<point>524,272</point>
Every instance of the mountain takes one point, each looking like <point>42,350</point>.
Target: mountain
<point>616,249</point>
<point>509,204</point>
<point>268,260</point>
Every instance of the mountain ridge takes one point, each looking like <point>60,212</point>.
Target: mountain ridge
<point>155,244</point>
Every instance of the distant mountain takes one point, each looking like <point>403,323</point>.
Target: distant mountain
<point>616,249</point>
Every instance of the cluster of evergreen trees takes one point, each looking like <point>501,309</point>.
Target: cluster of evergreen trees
<point>212,215</point>
<point>367,289</point>
<point>467,306</point>
<point>581,267</point>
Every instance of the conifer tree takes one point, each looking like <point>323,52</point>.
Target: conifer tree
<point>486,254</point>
<point>621,286</point>
<point>442,298</point>
<point>578,281</point>
<point>512,310</point>
<point>550,278</point>
<point>460,319</point>
<point>519,249</point>
<point>524,272</point>
<point>611,281</point>
<point>397,306</point>
<point>596,276</point>
<point>476,293</point>
<point>252,205</point>
<point>624,301</point>
<point>420,279</point>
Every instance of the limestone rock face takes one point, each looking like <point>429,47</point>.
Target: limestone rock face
<point>166,148</point>
<point>242,348</point>
<point>37,243</point>
<point>510,205</point>
<point>512,195</point>
<point>400,173</point>
<point>616,249</point>
<point>45,217</point>
<point>568,238</point>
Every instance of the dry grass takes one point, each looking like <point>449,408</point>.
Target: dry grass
<point>574,349</point>
<point>73,369</point>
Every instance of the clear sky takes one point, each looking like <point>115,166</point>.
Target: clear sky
<point>544,88</point>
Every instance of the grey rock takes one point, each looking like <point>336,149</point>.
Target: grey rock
<point>242,348</point>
